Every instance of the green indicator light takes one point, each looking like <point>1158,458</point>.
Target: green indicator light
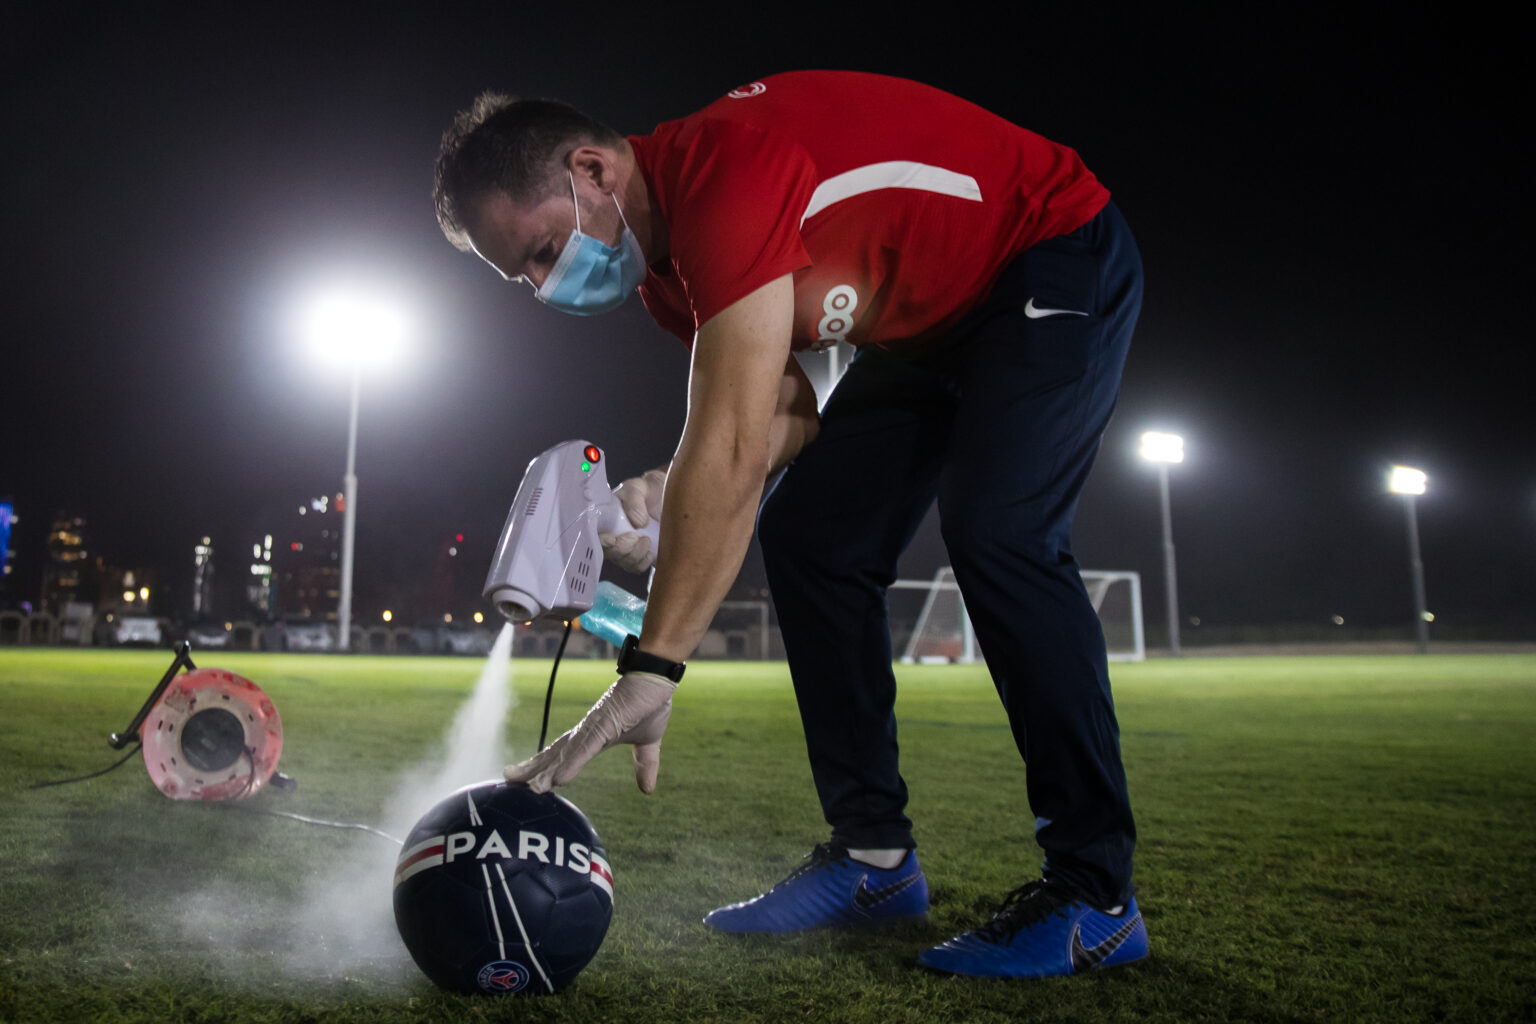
<point>586,467</point>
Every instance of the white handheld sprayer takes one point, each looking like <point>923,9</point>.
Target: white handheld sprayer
<point>549,557</point>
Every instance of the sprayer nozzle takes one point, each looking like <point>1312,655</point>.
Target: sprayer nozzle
<point>514,612</point>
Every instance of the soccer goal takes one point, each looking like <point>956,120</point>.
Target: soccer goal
<point>739,631</point>
<point>943,632</point>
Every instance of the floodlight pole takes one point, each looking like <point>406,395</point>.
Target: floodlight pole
<point>349,518</point>
<point>1170,573</point>
<point>1416,566</point>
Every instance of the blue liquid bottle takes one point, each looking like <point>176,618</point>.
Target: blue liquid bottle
<point>615,614</point>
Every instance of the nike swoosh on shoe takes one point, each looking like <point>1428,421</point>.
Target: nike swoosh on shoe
<point>1084,958</point>
<point>866,897</point>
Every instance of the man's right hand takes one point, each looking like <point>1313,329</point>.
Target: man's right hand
<point>640,498</point>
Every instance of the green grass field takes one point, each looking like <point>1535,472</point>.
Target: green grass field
<point>1322,839</point>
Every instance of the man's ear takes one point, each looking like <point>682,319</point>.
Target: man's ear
<point>594,165</point>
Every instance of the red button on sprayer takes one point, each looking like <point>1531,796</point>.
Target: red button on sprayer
<point>592,454</point>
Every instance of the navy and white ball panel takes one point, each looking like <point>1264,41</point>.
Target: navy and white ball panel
<point>503,891</point>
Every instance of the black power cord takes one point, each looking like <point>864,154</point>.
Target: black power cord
<point>250,781</point>
<point>93,775</point>
<point>550,693</point>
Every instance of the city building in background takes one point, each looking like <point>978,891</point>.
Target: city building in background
<point>259,598</point>
<point>202,579</point>
<point>446,571</point>
<point>126,591</point>
<point>309,563</point>
<point>68,576</point>
<point>7,517</point>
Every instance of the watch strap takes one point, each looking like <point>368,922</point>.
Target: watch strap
<point>633,659</point>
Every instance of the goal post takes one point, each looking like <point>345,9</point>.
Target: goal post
<point>739,631</point>
<point>943,633</point>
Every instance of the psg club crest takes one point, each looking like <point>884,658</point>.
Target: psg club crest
<point>503,978</point>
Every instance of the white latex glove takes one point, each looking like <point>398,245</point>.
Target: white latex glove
<point>640,498</point>
<point>634,710</point>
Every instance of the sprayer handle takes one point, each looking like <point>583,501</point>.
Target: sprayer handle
<point>611,519</point>
<point>651,529</point>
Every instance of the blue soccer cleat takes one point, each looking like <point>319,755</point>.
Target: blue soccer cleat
<point>830,890</point>
<point>1040,932</point>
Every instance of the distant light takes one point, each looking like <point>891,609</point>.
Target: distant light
<point>128,597</point>
<point>458,538</point>
<point>352,329</point>
<point>479,617</point>
<point>144,593</point>
<point>1406,480</point>
<point>452,552</point>
<point>1429,616</point>
<point>1338,620</point>
<point>296,546</point>
<point>447,616</point>
<point>1159,447</point>
<point>228,626</point>
<point>388,615</point>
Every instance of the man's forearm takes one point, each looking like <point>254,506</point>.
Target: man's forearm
<point>735,391</point>
<point>711,506</point>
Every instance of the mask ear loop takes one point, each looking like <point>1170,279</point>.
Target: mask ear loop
<point>611,195</point>
<point>622,219</point>
<point>569,176</point>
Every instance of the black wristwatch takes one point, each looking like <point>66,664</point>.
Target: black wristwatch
<point>633,659</point>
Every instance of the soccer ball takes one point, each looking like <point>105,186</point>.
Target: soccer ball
<point>504,891</point>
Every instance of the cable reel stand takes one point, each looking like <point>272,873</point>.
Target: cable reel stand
<point>207,735</point>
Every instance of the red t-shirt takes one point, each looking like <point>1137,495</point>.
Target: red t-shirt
<point>895,205</point>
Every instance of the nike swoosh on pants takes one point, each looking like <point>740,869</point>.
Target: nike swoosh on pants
<point>1035,312</point>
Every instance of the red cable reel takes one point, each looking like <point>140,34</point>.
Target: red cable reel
<point>213,735</point>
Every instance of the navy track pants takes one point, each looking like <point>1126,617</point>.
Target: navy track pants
<point>999,420</point>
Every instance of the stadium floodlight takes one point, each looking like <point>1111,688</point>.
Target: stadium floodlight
<point>1163,449</point>
<point>352,331</point>
<point>1160,447</point>
<point>1411,483</point>
<point>1406,480</point>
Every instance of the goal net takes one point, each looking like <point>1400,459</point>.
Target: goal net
<point>739,632</point>
<point>942,631</point>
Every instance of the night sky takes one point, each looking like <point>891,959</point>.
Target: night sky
<point>1334,212</point>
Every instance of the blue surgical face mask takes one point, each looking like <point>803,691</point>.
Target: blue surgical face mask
<point>590,277</point>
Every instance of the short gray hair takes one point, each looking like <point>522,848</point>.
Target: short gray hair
<point>505,144</point>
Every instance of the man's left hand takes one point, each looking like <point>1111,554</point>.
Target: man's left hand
<point>634,710</point>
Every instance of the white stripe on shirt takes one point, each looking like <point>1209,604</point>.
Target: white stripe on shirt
<point>891,174</point>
